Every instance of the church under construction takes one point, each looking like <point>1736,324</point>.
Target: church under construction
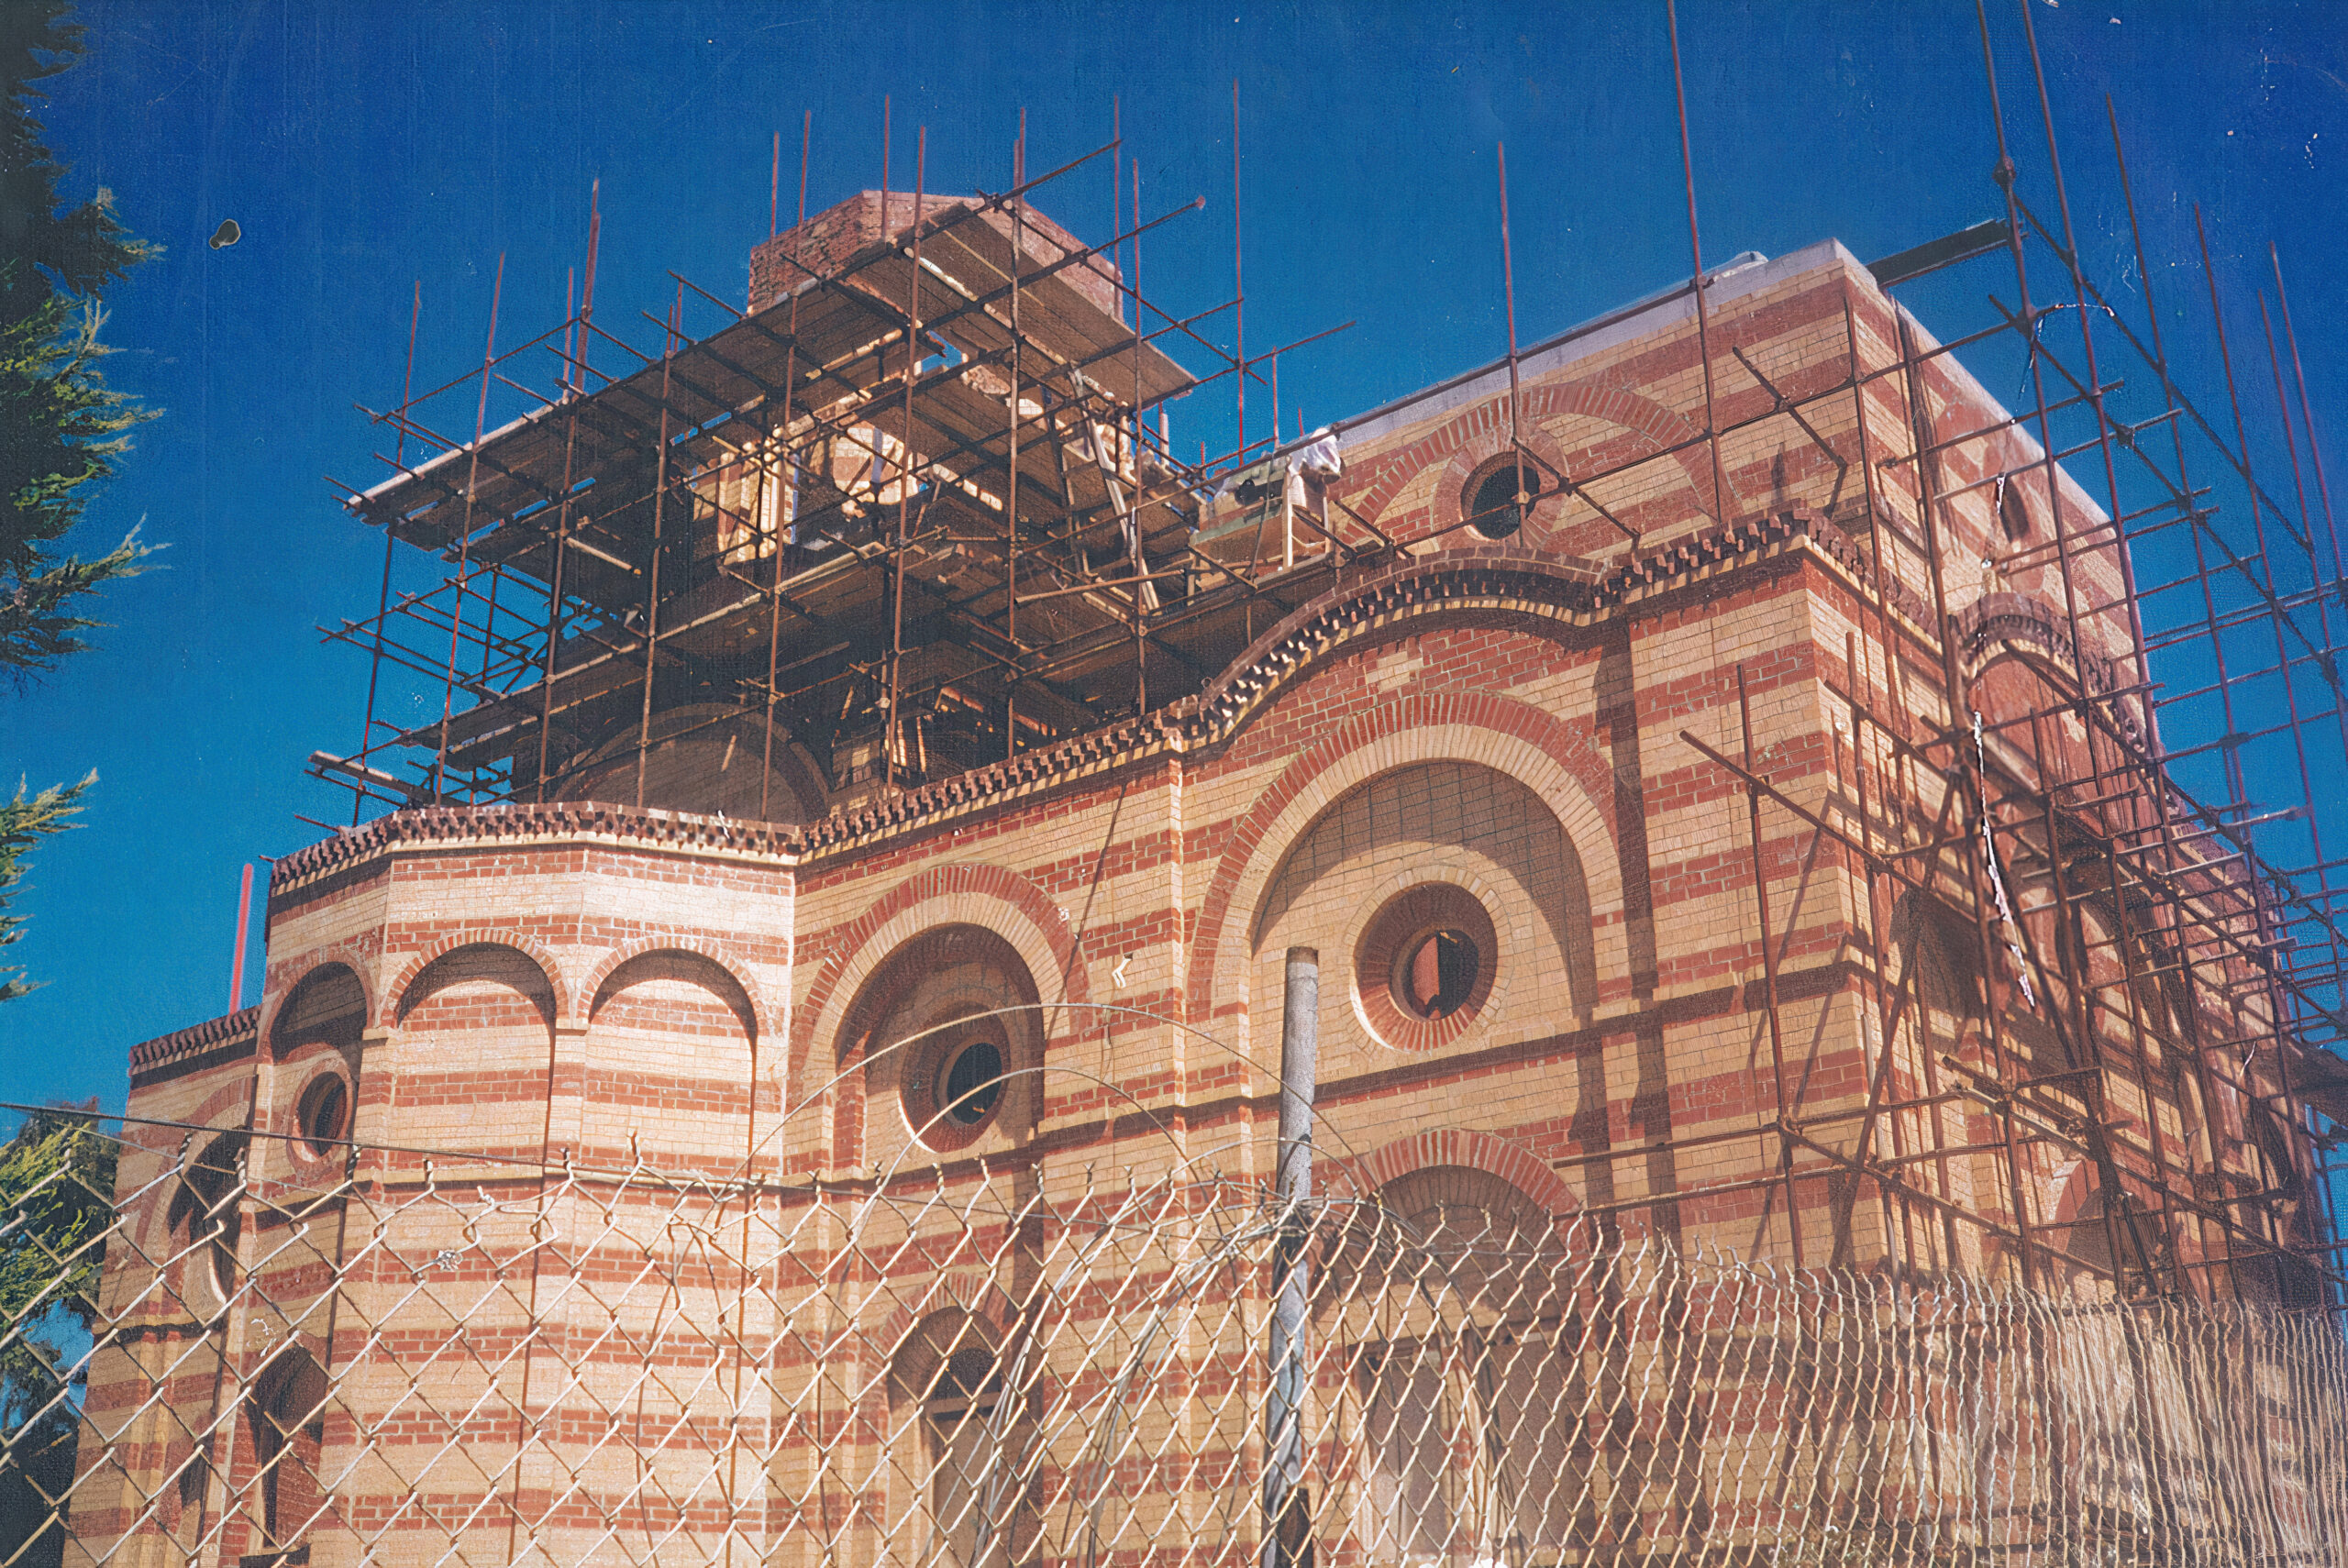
<point>1703,938</point>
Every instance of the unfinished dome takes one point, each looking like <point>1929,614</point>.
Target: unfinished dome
<point>710,757</point>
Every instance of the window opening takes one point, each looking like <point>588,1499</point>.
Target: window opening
<point>1470,1426</point>
<point>960,1414</point>
<point>1498,508</point>
<point>1438,973</point>
<point>324,1114</point>
<point>2013,513</point>
<point>970,1083</point>
<point>206,1220</point>
<point>289,1425</point>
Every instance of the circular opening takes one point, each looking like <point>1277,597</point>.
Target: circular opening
<point>970,1083</point>
<point>1436,974</point>
<point>1424,965</point>
<point>2013,515</point>
<point>325,1115</point>
<point>1497,507</point>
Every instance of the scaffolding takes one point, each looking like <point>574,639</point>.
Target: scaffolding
<point>803,518</point>
<point>915,517</point>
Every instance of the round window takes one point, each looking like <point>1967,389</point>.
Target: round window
<point>1498,502</point>
<point>1435,973</point>
<point>969,1082</point>
<point>1424,968</point>
<point>324,1115</point>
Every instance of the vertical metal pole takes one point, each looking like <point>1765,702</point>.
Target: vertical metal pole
<point>554,598</point>
<point>2011,1066</point>
<point>465,540</point>
<point>2306,415</point>
<point>1288,1511</point>
<point>1696,249</point>
<point>896,732</point>
<point>1769,973</point>
<point>1508,284</point>
<point>1238,278</point>
<point>652,576</point>
<point>783,438</point>
<point>244,920</point>
<point>2163,820</point>
<point>1133,515</point>
<point>587,290</point>
<point>1011,489</point>
<point>576,386</point>
<point>2279,1004</point>
<point>569,331</point>
<point>383,598</point>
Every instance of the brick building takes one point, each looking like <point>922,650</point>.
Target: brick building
<point>1452,697</point>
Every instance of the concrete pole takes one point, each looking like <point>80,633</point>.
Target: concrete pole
<point>1288,1507</point>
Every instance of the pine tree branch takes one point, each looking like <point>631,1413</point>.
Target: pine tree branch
<point>25,822</point>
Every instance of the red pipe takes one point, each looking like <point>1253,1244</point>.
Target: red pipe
<point>244,920</point>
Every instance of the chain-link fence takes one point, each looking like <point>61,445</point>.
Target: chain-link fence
<point>1041,1364</point>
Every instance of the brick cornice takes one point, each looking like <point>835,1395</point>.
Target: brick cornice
<point>422,828</point>
<point>238,1031</point>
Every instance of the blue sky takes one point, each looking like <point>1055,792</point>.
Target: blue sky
<point>363,149</point>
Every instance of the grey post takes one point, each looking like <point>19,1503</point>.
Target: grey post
<point>1286,1507</point>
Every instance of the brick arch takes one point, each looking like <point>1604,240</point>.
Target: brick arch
<point>1512,1162</point>
<point>1543,598</point>
<point>345,954</point>
<point>582,1003</point>
<point>990,897</point>
<point>477,936</point>
<point>1486,423</point>
<point>960,1290</point>
<point>1562,768</point>
<point>1472,454</point>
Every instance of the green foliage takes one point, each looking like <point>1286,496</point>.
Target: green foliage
<point>56,1204</point>
<point>61,427</point>
<point>23,823</point>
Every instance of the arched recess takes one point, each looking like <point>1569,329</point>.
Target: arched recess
<point>2075,1223</point>
<point>953,1433</point>
<point>398,997</point>
<point>285,1424</point>
<point>1462,1148</point>
<point>949,991</point>
<point>758,1019</point>
<point>343,959</point>
<point>313,1038</point>
<point>2020,659</point>
<point>1474,434</point>
<point>671,1061</point>
<point>1461,1312</point>
<point>992,897</point>
<point>203,1227</point>
<point>472,1046</point>
<point>1446,844</point>
<point>1559,765</point>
